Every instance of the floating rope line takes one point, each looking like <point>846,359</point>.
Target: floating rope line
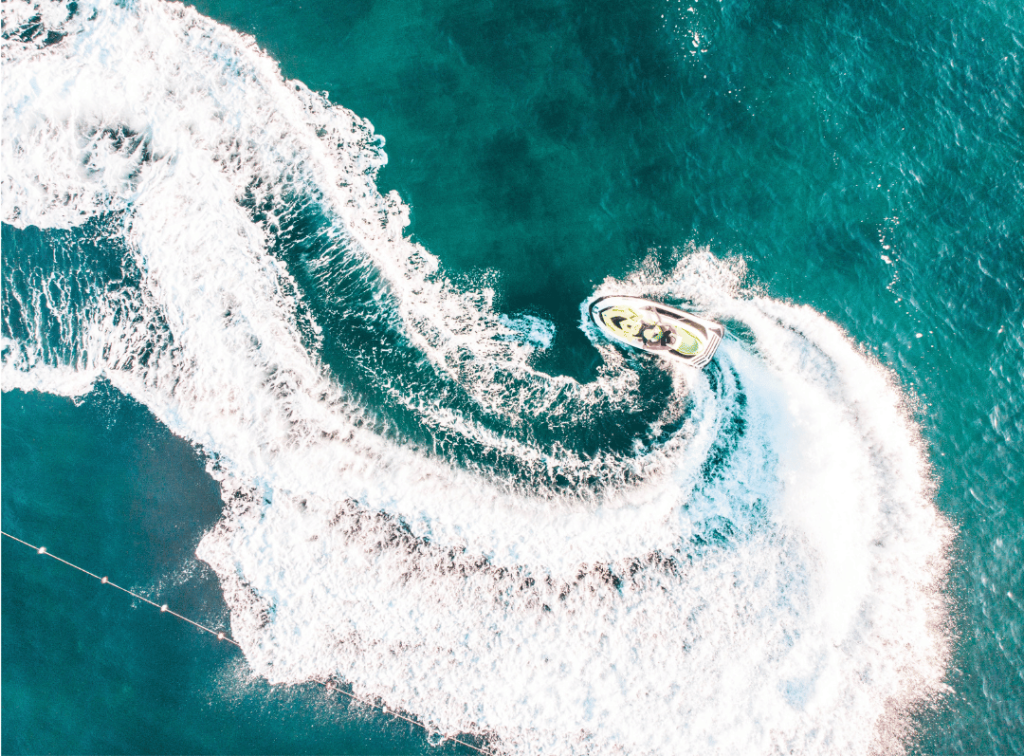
<point>107,581</point>
<point>330,686</point>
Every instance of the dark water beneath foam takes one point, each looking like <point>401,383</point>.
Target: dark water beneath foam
<point>866,160</point>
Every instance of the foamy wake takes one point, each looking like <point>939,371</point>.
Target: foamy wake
<point>759,575</point>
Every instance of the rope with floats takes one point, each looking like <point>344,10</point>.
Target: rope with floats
<point>107,581</point>
<point>220,635</point>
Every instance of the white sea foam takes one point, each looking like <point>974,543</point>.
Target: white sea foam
<point>763,579</point>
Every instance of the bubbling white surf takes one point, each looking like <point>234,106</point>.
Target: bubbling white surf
<point>763,579</point>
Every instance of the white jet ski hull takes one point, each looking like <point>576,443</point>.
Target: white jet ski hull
<point>657,328</point>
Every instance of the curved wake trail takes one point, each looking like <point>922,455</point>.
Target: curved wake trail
<point>751,565</point>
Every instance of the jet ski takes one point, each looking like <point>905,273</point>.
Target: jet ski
<point>657,328</point>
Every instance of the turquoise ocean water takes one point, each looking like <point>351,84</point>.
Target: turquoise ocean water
<point>293,342</point>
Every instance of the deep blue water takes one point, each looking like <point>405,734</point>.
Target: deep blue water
<point>865,160</point>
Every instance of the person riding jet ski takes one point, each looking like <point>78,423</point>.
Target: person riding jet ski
<point>657,328</point>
